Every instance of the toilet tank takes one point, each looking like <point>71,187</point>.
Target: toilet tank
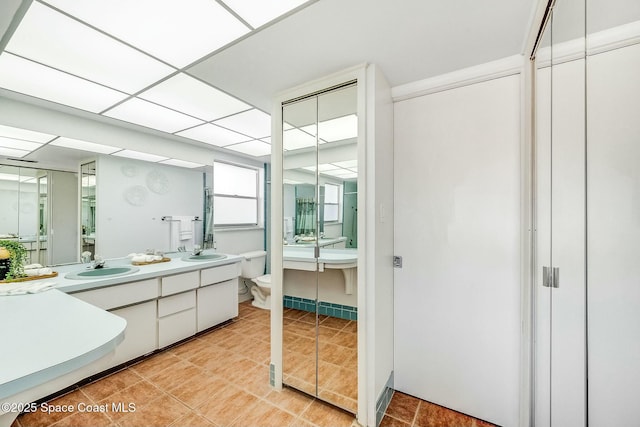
<point>253,264</point>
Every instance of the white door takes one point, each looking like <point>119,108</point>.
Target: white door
<point>457,226</point>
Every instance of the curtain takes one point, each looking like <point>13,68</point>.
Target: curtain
<point>305,216</point>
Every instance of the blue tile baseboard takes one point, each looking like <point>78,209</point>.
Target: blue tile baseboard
<point>384,399</point>
<point>325,308</point>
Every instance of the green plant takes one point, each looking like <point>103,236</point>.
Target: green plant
<point>18,256</point>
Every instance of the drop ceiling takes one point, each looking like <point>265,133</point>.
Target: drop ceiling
<point>206,71</point>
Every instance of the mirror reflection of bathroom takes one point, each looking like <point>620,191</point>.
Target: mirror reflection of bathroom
<point>88,215</point>
<point>320,218</point>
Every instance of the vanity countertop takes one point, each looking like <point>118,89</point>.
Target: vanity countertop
<point>51,333</point>
<point>328,256</point>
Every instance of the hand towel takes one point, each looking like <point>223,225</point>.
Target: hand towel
<point>21,288</point>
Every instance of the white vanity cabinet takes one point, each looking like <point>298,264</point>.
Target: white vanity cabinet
<point>136,303</point>
<point>218,295</point>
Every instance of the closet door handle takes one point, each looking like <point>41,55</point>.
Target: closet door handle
<point>546,277</point>
<point>555,277</point>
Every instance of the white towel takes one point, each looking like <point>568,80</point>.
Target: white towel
<point>186,228</point>
<point>21,288</point>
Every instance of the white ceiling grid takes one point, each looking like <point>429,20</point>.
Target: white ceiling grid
<point>126,60</point>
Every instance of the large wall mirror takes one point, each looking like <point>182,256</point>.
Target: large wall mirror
<point>40,211</point>
<point>320,245</point>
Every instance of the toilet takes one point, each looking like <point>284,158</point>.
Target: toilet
<point>253,269</point>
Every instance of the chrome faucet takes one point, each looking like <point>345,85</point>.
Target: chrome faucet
<point>98,262</point>
<point>197,250</point>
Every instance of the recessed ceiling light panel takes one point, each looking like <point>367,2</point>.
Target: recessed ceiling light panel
<point>184,93</point>
<point>295,139</point>
<point>23,76</point>
<point>339,129</point>
<point>19,144</point>
<point>254,148</point>
<point>131,154</point>
<point>51,38</point>
<point>254,123</point>
<point>148,114</point>
<point>84,145</point>
<point>181,163</point>
<point>214,135</point>
<point>27,135</point>
<point>12,152</point>
<point>178,32</point>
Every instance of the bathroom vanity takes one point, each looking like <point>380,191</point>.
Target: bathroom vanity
<point>86,326</point>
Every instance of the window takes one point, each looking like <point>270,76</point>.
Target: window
<point>235,195</point>
<point>331,202</point>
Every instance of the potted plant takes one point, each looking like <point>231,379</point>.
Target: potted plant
<point>17,257</point>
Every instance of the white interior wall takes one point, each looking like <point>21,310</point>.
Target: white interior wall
<point>457,214</point>
<point>123,227</point>
<point>377,241</point>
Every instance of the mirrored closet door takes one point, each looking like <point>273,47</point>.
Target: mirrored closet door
<point>320,252</point>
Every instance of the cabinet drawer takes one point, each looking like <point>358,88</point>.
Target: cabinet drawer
<point>176,327</point>
<point>176,303</point>
<point>219,274</point>
<point>120,295</point>
<point>179,283</point>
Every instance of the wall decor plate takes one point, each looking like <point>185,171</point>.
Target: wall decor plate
<point>158,182</point>
<point>136,195</point>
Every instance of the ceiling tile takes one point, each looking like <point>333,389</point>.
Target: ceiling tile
<point>51,38</point>
<point>259,12</point>
<point>214,135</point>
<point>184,93</point>
<point>254,123</point>
<point>178,32</point>
<point>23,76</point>
<point>253,148</point>
<point>147,114</point>
<point>339,129</point>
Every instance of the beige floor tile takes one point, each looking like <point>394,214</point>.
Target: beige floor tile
<point>199,389</point>
<point>339,400</point>
<point>388,421</point>
<point>107,386</point>
<point>264,415</point>
<point>334,322</point>
<point>192,419</point>
<point>176,375</point>
<point>155,364</point>
<point>158,413</point>
<point>403,407</point>
<point>139,395</point>
<point>225,407</point>
<point>40,418</point>
<point>289,400</point>
<point>344,382</point>
<point>95,419</point>
<point>345,339</point>
<point>324,415</point>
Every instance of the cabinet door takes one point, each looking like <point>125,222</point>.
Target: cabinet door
<point>217,303</point>
<point>140,336</point>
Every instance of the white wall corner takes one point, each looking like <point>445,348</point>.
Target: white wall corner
<point>466,76</point>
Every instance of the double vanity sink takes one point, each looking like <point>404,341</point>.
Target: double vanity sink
<point>124,270</point>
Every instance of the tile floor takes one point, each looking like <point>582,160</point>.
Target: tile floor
<point>337,362</point>
<point>220,379</point>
